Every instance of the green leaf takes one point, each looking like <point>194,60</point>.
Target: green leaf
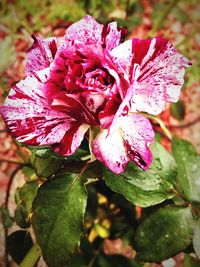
<point>146,188</point>
<point>18,245</point>
<point>30,174</point>
<point>188,163</point>
<point>178,110</point>
<point>24,197</point>
<point>164,234</point>
<point>45,166</point>
<point>58,212</point>
<point>196,238</point>
<point>46,163</point>
<point>78,261</point>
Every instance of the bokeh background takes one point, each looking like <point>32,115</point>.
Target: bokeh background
<point>176,20</point>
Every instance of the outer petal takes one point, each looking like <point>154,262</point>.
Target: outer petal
<point>138,135</point>
<point>72,139</point>
<point>30,117</point>
<point>128,139</point>
<point>110,149</point>
<point>32,120</point>
<point>41,54</point>
<point>161,72</point>
<point>88,31</point>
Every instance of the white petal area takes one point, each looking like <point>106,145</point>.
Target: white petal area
<point>138,135</point>
<point>122,55</point>
<point>110,149</point>
<point>41,54</point>
<point>78,138</point>
<point>128,139</point>
<point>88,31</point>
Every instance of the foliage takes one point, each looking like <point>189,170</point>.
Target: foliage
<point>62,223</point>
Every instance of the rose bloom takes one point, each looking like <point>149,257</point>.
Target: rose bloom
<point>89,78</point>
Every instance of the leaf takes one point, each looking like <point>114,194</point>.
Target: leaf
<point>78,261</point>
<point>24,198</point>
<point>188,163</point>
<point>146,188</point>
<point>58,212</point>
<point>196,238</point>
<point>163,234</point>
<point>178,110</point>
<point>18,245</point>
<point>45,166</point>
<point>46,163</point>
<point>30,174</point>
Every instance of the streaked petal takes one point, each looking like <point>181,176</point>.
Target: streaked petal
<point>30,116</point>
<point>74,106</point>
<point>128,139</point>
<point>160,77</point>
<point>107,115</point>
<point>72,139</point>
<point>40,55</point>
<point>89,31</point>
<point>138,135</point>
<point>110,149</point>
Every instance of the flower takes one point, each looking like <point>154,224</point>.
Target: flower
<point>90,78</point>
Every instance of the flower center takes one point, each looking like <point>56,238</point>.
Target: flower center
<point>86,74</point>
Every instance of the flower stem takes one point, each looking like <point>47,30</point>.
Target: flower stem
<point>31,257</point>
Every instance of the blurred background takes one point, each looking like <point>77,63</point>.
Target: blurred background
<point>176,20</point>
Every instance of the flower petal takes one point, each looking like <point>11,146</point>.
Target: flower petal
<point>138,135</point>
<point>74,106</point>
<point>72,139</point>
<point>89,31</point>
<point>161,73</point>
<point>110,149</point>
<point>30,116</point>
<point>40,55</point>
<point>128,139</point>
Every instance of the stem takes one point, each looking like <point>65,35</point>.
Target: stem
<point>20,153</point>
<point>93,132</point>
<point>86,158</point>
<point>31,257</point>
<point>163,16</point>
<point>184,125</point>
<point>96,253</point>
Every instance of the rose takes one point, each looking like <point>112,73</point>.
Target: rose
<point>89,79</point>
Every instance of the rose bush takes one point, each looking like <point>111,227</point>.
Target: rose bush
<point>89,78</point>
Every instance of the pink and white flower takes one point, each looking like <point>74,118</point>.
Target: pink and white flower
<point>89,77</point>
